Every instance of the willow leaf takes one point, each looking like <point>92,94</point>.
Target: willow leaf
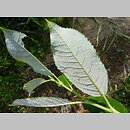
<point>16,48</point>
<point>42,102</point>
<point>32,84</point>
<point>76,57</point>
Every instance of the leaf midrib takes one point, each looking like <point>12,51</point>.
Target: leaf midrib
<point>77,59</point>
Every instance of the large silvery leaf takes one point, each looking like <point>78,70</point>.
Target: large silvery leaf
<point>75,56</point>
<point>16,48</point>
<point>42,102</point>
<point>32,84</point>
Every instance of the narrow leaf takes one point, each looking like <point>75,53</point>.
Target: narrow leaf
<point>76,57</point>
<point>16,48</point>
<point>32,84</point>
<point>42,102</point>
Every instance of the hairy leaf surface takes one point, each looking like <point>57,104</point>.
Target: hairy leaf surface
<point>42,102</point>
<point>16,48</point>
<point>32,84</point>
<point>76,57</point>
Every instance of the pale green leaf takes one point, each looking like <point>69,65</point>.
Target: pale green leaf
<point>42,102</point>
<point>32,84</point>
<point>15,46</point>
<point>76,57</point>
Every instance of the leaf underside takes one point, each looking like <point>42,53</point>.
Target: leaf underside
<point>32,84</point>
<point>41,102</point>
<point>77,59</point>
<point>15,46</point>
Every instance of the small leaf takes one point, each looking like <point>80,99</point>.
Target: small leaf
<point>64,80</point>
<point>15,46</point>
<point>76,57</point>
<point>42,102</point>
<point>100,100</point>
<point>32,84</point>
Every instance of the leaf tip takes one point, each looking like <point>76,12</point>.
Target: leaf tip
<point>49,23</point>
<point>3,29</point>
<point>46,20</point>
<point>13,104</point>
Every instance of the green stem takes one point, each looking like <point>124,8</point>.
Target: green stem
<point>57,81</point>
<point>94,104</point>
<point>109,105</point>
<point>68,82</point>
<point>98,106</point>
